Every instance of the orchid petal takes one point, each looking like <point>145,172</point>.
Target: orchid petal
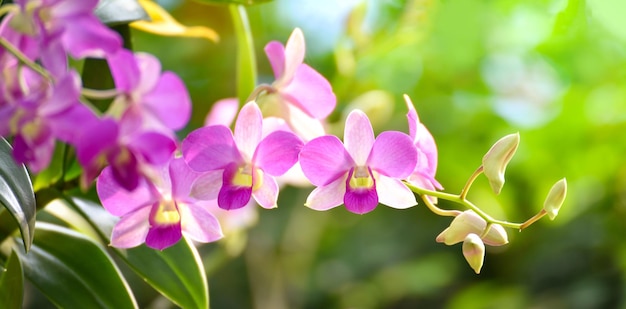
<point>223,112</point>
<point>131,230</point>
<point>62,9</point>
<point>118,201</point>
<point>303,125</point>
<point>276,55</point>
<point>294,54</point>
<point>125,168</point>
<point>311,92</point>
<point>412,118</point>
<point>267,194</point>
<point>182,178</point>
<point>207,185</point>
<point>232,196</point>
<point>125,70</point>
<point>359,137</point>
<point>248,129</point>
<point>327,196</point>
<point>169,101</point>
<point>210,148</point>
<point>156,148</point>
<point>199,224</point>
<point>277,152</point>
<point>393,154</point>
<point>96,138</point>
<point>324,159</point>
<point>393,193</point>
<point>162,236</point>
<point>87,36</point>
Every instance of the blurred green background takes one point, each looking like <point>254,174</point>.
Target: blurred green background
<point>554,70</point>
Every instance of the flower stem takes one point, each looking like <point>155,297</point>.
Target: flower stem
<point>246,61</point>
<point>258,90</point>
<point>24,60</point>
<point>99,94</point>
<point>437,210</point>
<point>470,181</point>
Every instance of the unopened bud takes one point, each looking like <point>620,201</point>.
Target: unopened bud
<point>469,222</point>
<point>497,158</point>
<point>555,198</point>
<point>474,252</point>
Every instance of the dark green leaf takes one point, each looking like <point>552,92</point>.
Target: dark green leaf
<point>16,193</point>
<point>176,272</point>
<point>73,271</point>
<point>12,283</point>
<point>116,12</point>
<point>244,2</point>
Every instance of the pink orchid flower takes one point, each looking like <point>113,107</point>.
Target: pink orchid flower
<point>424,174</point>
<point>304,96</point>
<point>158,213</point>
<point>243,165</point>
<point>361,172</point>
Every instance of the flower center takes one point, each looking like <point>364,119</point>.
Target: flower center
<point>361,178</point>
<point>243,177</point>
<point>167,213</point>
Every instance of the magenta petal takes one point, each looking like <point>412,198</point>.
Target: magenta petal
<point>118,201</point>
<point>182,177</point>
<point>169,101</point>
<point>276,54</point>
<point>54,58</point>
<point>248,129</point>
<point>232,196</point>
<point>311,92</point>
<point>88,37</point>
<point>70,8</point>
<point>223,112</point>
<point>358,136</point>
<point>328,196</point>
<point>156,148</point>
<point>162,236</point>
<point>199,224</point>
<point>277,152</point>
<point>96,139</point>
<point>360,201</point>
<point>124,70</point>
<point>149,71</point>
<point>210,148</point>
<point>132,229</point>
<point>207,185</point>
<point>125,168</point>
<point>324,159</point>
<point>393,155</point>
<point>267,195</point>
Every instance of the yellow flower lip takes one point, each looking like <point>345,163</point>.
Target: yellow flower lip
<point>361,178</point>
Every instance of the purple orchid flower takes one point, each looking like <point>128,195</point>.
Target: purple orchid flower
<point>157,213</point>
<point>127,149</point>
<point>58,27</point>
<point>243,165</point>
<point>304,96</point>
<point>37,113</point>
<point>156,100</point>
<point>424,174</point>
<point>364,172</point>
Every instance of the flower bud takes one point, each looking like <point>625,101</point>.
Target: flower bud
<point>474,252</point>
<point>496,159</point>
<point>555,198</point>
<point>469,222</point>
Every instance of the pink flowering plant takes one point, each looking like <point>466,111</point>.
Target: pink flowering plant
<point>161,193</point>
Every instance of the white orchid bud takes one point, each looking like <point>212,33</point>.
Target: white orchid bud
<point>474,252</point>
<point>555,198</point>
<point>469,222</point>
<point>497,158</point>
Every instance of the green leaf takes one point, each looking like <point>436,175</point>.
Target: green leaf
<point>244,2</point>
<point>176,272</point>
<point>12,283</point>
<point>73,271</point>
<point>116,12</point>
<point>16,193</point>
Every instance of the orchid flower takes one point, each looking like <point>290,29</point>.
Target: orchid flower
<point>361,172</point>
<point>53,28</point>
<point>243,164</point>
<point>301,95</point>
<point>157,213</point>
<point>424,174</point>
<point>37,113</point>
<point>126,149</point>
<point>156,100</point>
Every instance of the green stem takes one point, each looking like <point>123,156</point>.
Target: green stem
<point>246,61</point>
<point>258,90</point>
<point>470,181</point>
<point>8,8</point>
<point>457,199</point>
<point>99,94</point>
<point>437,210</point>
<point>24,60</point>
